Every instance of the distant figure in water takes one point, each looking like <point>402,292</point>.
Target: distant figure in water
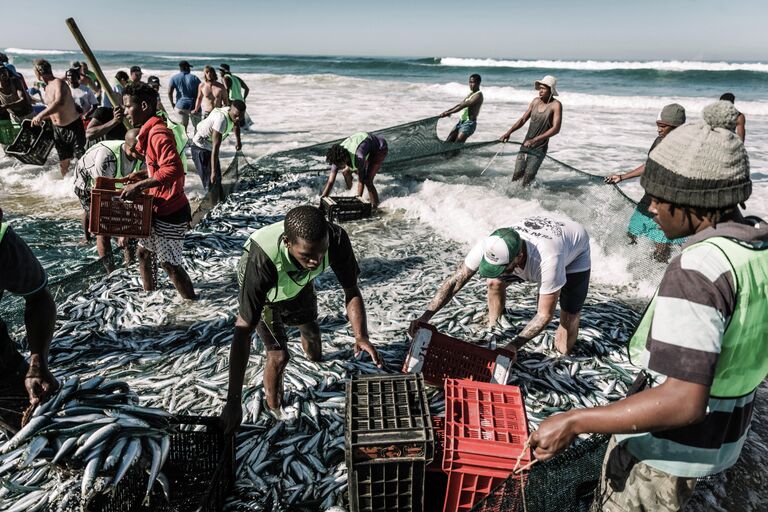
<point>741,122</point>
<point>470,108</point>
<point>546,115</point>
<point>642,223</point>
<point>363,153</point>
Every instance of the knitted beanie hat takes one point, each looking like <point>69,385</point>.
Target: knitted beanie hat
<point>702,164</point>
<point>672,114</point>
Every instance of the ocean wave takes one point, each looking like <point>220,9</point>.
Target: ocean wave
<point>598,65</point>
<point>28,51</point>
<point>200,57</point>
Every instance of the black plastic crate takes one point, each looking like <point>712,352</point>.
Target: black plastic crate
<point>388,418</point>
<point>200,470</point>
<point>342,208</point>
<point>389,487</point>
<point>33,143</point>
<point>8,132</point>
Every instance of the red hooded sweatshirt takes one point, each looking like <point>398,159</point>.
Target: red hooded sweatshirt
<point>158,146</point>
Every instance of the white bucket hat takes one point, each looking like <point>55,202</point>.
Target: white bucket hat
<point>549,81</point>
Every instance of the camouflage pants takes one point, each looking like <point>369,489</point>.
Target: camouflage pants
<point>628,485</point>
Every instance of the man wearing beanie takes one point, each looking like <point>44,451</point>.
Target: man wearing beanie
<point>702,341</point>
<point>641,223</point>
<point>553,253</point>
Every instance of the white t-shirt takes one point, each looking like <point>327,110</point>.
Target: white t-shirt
<point>555,248</point>
<point>84,98</point>
<point>217,120</point>
<point>99,161</point>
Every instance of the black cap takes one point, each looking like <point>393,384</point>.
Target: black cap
<point>224,67</point>
<point>153,80</point>
<point>73,72</point>
<point>135,69</point>
<point>184,64</point>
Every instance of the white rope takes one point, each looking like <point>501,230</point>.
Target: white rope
<point>493,158</point>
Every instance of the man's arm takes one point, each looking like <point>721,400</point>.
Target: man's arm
<point>171,88</point>
<point>238,142</point>
<point>21,98</point>
<point>741,127</point>
<point>244,88</point>
<point>215,146</point>
<point>674,404</point>
<point>544,313</point>
<point>474,98</point>
<point>169,166</point>
<point>557,118</point>
<point>232,415</point>
<point>520,122</point>
<point>199,99</point>
<point>616,178</point>
<point>447,290</point>
<point>357,318</point>
<point>40,320</point>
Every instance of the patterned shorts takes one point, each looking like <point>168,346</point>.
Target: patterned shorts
<point>166,240</point>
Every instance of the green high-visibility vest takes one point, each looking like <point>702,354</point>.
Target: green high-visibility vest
<point>3,229</point>
<point>235,91</point>
<point>179,135</point>
<point>291,279</point>
<point>351,143</point>
<point>741,365</point>
<point>465,112</point>
<point>230,122</point>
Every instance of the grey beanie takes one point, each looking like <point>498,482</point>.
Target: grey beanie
<point>672,114</point>
<point>702,164</point>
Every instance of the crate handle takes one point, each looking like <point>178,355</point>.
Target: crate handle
<point>104,183</point>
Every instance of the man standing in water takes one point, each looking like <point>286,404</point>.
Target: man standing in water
<point>741,122</point>
<point>276,275</point>
<point>238,89</point>
<point>185,84</point>
<point>13,98</point>
<point>553,253</point>
<point>470,108</point>
<point>164,179</point>
<point>68,129</point>
<point>702,341</point>
<point>641,223</point>
<point>546,115</point>
<point>363,153</point>
<point>23,275</point>
<point>211,94</point>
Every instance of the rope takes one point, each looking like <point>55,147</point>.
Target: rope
<point>517,470</point>
<point>493,158</point>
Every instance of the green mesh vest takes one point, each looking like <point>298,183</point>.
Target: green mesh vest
<point>230,122</point>
<point>740,365</point>
<point>351,143</point>
<point>291,279</point>
<point>236,91</point>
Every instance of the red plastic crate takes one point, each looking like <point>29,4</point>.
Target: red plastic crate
<point>465,490</point>
<point>438,424</point>
<point>486,428</point>
<point>440,357</point>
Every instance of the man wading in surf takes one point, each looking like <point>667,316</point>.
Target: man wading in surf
<point>553,253</point>
<point>469,108</point>
<point>276,274</point>
<point>546,115</point>
<point>702,341</point>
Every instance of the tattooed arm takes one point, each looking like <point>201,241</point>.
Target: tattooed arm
<point>447,290</point>
<point>546,310</point>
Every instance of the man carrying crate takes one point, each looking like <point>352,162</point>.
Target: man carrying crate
<point>276,275</point>
<point>553,253</point>
<point>164,180</point>
<point>110,159</point>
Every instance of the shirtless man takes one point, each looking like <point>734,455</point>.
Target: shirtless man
<point>13,98</point>
<point>68,129</point>
<point>469,108</point>
<point>210,94</point>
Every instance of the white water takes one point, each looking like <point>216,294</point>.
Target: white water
<point>600,65</point>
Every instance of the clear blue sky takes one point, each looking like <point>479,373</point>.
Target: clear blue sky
<point>563,29</point>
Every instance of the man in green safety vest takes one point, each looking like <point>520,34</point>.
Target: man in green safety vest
<point>236,86</point>
<point>469,108</point>
<point>22,274</point>
<point>110,159</point>
<point>276,274</point>
<point>206,143</point>
<point>702,342</point>
<point>363,153</point>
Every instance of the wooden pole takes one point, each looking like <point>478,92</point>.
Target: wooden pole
<point>105,88</point>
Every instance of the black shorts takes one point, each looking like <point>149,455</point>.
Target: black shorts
<point>574,293</point>
<point>300,310</point>
<point>69,140</point>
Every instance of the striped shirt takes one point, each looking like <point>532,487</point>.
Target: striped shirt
<point>695,301</point>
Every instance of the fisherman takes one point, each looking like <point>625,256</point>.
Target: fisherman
<point>238,89</point>
<point>136,75</point>
<point>23,275</point>
<point>206,144</point>
<point>154,82</point>
<point>210,94</point>
<point>14,99</point>
<point>185,84</point>
<point>363,153</point>
<point>164,180</point>
<point>470,108</point>
<point>87,77</point>
<point>546,115</point>
<point>276,274</point>
<point>641,223</point>
<point>702,341</point>
<point>106,124</point>
<point>553,253</point>
<point>110,159</point>
<point>85,100</point>
<point>68,129</point>
<point>121,82</point>
<point>14,73</point>
<point>741,122</point>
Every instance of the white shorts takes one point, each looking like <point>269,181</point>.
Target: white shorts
<point>166,240</point>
